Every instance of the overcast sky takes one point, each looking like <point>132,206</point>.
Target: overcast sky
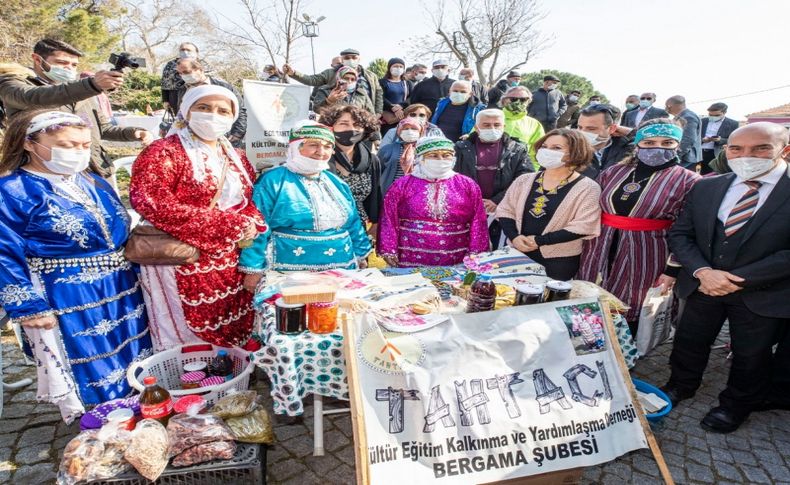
<point>702,49</point>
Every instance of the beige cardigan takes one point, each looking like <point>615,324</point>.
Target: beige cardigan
<point>579,212</point>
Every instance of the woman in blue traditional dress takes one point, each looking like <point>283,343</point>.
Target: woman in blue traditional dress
<point>63,276</point>
<point>312,216</point>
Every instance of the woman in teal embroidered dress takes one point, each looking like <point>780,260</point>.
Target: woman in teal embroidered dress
<point>312,217</point>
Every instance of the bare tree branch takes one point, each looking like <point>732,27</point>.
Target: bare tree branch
<point>491,32</point>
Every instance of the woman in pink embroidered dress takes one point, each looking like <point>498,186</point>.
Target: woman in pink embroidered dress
<point>434,216</point>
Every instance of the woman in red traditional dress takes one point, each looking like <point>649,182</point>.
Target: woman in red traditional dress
<point>173,183</point>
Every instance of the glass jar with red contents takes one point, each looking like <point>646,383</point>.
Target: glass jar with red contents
<point>322,317</point>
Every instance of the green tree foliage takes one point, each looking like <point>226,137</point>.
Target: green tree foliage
<point>140,89</point>
<point>568,83</point>
<point>82,23</point>
<point>378,67</point>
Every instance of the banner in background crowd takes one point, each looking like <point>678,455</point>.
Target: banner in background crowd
<point>272,110</point>
<point>491,396</point>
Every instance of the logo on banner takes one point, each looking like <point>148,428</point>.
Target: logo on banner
<point>286,106</point>
<point>390,352</point>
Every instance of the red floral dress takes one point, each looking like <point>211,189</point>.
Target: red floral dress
<point>164,191</point>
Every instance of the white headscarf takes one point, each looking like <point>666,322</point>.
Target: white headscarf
<point>202,156</point>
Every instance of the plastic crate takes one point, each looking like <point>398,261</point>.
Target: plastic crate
<point>247,467</point>
<point>167,366</point>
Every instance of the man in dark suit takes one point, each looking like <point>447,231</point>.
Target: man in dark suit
<point>690,150</point>
<point>716,129</point>
<point>598,124</point>
<point>646,111</point>
<point>733,241</point>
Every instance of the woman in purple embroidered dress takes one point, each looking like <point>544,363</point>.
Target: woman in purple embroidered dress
<point>434,216</point>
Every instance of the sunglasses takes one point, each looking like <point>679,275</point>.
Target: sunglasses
<point>415,115</point>
<point>646,99</point>
<point>519,99</point>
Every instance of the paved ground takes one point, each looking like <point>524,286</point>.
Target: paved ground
<point>32,437</point>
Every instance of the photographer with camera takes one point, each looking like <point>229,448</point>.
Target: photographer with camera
<point>53,84</point>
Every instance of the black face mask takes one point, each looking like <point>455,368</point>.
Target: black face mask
<point>349,138</point>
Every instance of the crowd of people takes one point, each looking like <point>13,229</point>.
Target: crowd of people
<point>423,171</point>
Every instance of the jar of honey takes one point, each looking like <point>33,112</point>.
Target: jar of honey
<point>322,317</point>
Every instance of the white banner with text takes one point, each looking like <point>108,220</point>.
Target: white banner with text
<point>272,110</point>
<point>492,396</point>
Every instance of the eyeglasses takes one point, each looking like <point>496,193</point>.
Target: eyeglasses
<point>415,115</point>
<point>518,99</point>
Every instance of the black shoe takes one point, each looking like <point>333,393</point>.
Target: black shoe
<point>675,394</point>
<point>722,420</point>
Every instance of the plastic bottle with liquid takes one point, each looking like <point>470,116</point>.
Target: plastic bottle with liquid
<point>155,401</point>
<point>222,365</point>
<point>482,295</point>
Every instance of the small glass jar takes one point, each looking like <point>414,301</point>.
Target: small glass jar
<point>196,367</point>
<point>191,380</point>
<point>322,317</point>
<point>528,295</point>
<point>291,318</point>
<point>557,291</point>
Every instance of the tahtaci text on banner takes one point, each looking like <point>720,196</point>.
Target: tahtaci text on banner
<point>272,110</point>
<point>491,396</point>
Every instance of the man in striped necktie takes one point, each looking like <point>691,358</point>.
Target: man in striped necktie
<point>733,240</point>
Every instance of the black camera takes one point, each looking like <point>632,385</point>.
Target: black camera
<point>124,59</point>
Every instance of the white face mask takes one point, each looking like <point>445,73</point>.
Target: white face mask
<point>187,54</point>
<point>397,71</point>
<point>459,98</point>
<point>66,161</point>
<point>591,137</point>
<point>305,165</point>
<point>573,98</point>
<point>748,168</point>
<point>190,78</point>
<point>549,159</point>
<point>439,73</point>
<point>353,63</point>
<point>409,136</point>
<point>437,169</point>
<point>419,76</point>
<point>491,135</point>
<point>209,126</point>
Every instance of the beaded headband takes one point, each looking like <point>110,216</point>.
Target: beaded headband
<point>314,132</point>
<point>433,144</point>
<point>660,129</point>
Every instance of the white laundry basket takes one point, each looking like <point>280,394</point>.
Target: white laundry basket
<point>167,367</point>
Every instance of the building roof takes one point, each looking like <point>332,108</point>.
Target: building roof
<point>775,112</point>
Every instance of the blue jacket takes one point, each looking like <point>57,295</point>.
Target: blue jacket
<point>389,155</point>
<point>469,120</point>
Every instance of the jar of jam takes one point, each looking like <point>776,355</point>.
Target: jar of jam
<point>191,380</point>
<point>528,294</point>
<point>199,366</point>
<point>291,318</point>
<point>122,418</point>
<point>557,291</point>
<point>322,317</point>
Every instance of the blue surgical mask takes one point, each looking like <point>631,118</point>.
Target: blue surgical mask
<point>645,103</point>
<point>351,87</point>
<point>715,118</point>
<point>630,106</point>
<point>59,75</point>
